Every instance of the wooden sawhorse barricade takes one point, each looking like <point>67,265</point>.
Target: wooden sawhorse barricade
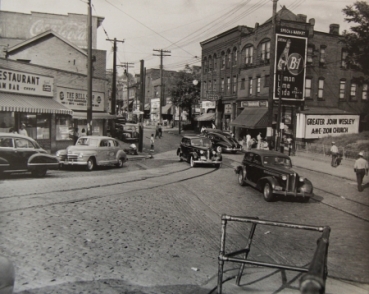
<point>312,282</point>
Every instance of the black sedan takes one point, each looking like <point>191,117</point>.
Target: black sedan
<point>222,141</point>
<point>23,154</point>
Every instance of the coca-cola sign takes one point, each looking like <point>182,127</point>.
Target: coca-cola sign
<point>76,32</point>
<point>290,64</point>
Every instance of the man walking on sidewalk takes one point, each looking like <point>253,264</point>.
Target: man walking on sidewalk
<point>361,169</point>
<point>334,152</point>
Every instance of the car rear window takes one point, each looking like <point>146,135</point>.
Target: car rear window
<point>6,142</point>
<point>203,142</point>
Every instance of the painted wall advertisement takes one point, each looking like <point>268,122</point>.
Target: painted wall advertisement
<point>289,67</point>
<point>12,81</point>
<point>77,99</point>
<point>318,126</point>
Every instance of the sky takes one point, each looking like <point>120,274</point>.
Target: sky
<point>176,25</point>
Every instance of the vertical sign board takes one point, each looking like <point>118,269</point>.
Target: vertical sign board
<point>290,55</point>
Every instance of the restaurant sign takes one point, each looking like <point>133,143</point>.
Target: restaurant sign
<point>318,126</point>
<point>12,81</point>
<point>77,99</point>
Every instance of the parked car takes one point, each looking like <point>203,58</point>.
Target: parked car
<point>127,132</point>
<point>271,172</point>
<point>92,151</point>
<point>222,141</point>
<point>198,150</point>
<point>23,154</point>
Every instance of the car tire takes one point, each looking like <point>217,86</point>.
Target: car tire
<point>120,163</point>
<point>39,173</point>
<point>268,192</point>
<point>90,164</point>
<point>305,199</point>
<point>180,157</point>
<point>219,149</point>
<point>241,181</point>
<point>192,163</point>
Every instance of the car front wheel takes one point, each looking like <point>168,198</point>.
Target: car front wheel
<point>90,164</point>
<point>241,182</point>
<point>192,163</point>
<point>268,192</point>
<point>219,149</point>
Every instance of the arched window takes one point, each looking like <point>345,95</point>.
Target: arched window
<point>215,60</point>
<point>265,51</point>
<point>235,56</point>
<point>205,65</point>
<point>229,59</point>
<point>211,65</point>
<point>223,62</point>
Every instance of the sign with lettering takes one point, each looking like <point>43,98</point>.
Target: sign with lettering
<point>289,67</point>
<point>254,104</point>
<point>12,81</point>
<point>77,99</point>
<point>318,126</point>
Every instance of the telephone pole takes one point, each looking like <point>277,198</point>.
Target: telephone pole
<point>114,86</point>
<point>89,70</point>
<point>161,100</point>
<point>142,103</point>
<point>127,65</point>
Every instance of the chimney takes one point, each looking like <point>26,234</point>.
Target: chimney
<point>301,17</point>
<point>334,29</point>
<point>311,28</point>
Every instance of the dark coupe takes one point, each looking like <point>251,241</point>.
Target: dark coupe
<point>271,172</point>
<point>223,141</point>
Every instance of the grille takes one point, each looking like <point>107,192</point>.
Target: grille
<point>72,156</point>
<point>292,182</point>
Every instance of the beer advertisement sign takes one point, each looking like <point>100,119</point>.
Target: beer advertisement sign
<point>77,99</point>
<point>290,63</point>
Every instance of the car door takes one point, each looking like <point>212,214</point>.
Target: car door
<point>7,153</point>
<point>113,150</point>
<point>24,148</point>
<point>185,145</point>
<point>248,161</point>
<point>258,168</point>
<point>103,152</point>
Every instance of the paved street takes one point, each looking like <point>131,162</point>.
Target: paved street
<point>146,228</point>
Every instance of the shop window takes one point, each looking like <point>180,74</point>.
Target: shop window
<point>353,92</point>
<point>364,95</point>
<point>250,86</point>
<point>308,89</point>
<point>37,125</point>
<point>320,89</point>
<point>342,89</point>
<point>64,128</point>
<point>6,121</point>
<point>243,84</point>
<point>234,84</point>
<point>258,85</point>
<point>266,81</point>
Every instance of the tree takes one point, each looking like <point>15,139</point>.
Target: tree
<point>184,92</point>
<point>357,41</point>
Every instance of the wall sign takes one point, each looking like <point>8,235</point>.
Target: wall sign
<point>254,104</point>
<point>290,58</point>
<point>77,99</point>
<point>12,81</point>
<point>318,126</point>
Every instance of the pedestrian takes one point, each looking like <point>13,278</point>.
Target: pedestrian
<point>157,131</point>
<point>160,131</point>
<point>152,141</point>
<point>259,138</point>
<point>334,153</point>
<point>22,130</point>
<point>83,132</point>
<point>75,135</point>
<point>248,141</point>
<point>289,145</point>
<point>361,168</point>
<point>11,130</point>
<point>282,144</point>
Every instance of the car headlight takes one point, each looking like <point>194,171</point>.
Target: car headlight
<point>80,155</point>
<point>202,152</point>
<point>284,177</point>
<point>57,153</point>
<point>301,179</point>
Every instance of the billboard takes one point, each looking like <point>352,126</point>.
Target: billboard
<point>77,99</point>
<point>289,66</point>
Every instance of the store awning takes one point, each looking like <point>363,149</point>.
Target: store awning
<point>95,115</point>
<point>19,103</point>
<point>166,109</point>
<point>325,110</point>
<point>252,118</point>
<point>205,117</point>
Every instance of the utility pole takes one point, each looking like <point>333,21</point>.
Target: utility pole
<point>161,100</point>
<point>127,65</point>
<point>142,104</point>
<point>270,135</point>
<point>89,70</point>
<point>114,86</point>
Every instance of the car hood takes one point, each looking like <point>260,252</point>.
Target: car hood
<point>280,169</point>
<point>76,149</point>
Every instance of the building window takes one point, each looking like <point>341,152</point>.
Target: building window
<point>322,56</point>
<point>310,52</point>
<point>37,125</point>
<point>320,88</point>
<point>250,86</point>
<point>353,92</point>
<point>223,60</point>
<point>343,59</point>
<point>63,125</point>
<point>210,86</point>
<point>364,95</point>
<point>228,85</point>
<point>258,85</point>
<point>222,85</point>
<point>215,85</point>
<point>205,87</point>
<point>266,81</point>
<point>308,88</point>
<point>234,84</point>
<point>235,56</point>
<point>249,53</point>
<point>205,65</point>
<point>210,63</point>
<point>243,84</point>
<point>342,89</point>
<point>215,59</point>
<point>265,51</point>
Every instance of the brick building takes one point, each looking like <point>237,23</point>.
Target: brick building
<point>238,73</point>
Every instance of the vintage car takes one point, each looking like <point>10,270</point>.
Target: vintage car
<point>92,151</point>
<point>271,172</point>
<point>127,132</point>
<point>23,154</point>
<point>198,150</point>
<point>222,141</point>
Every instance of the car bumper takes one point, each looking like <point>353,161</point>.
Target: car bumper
<point>72,162</point>
<point>208,161</point>
<point>295,194</point>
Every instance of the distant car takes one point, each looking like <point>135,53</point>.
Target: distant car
<point>127,132</point>
<point>198,150</point>
<point>271,172</point>
<point>92,151</point>
<point>222,141</point>
<point>23,154</point>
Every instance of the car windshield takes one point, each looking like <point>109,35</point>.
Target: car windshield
<point>88,142</point>
<point>277,160</point>
<point>201,142</point>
